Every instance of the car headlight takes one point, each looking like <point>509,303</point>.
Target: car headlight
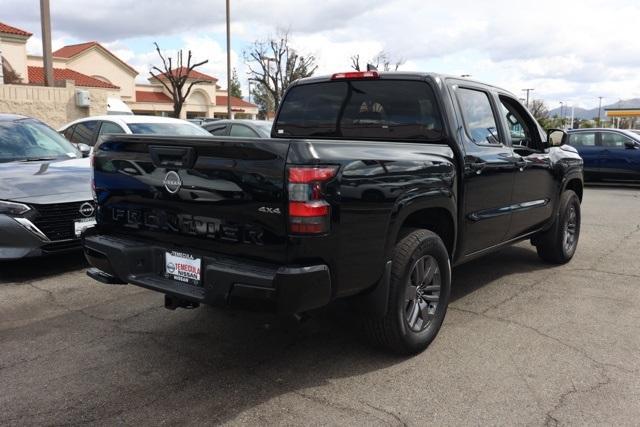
<point>12,208</point>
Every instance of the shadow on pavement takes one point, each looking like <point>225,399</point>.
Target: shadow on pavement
<point>225,362</point>
<point>28,269</point>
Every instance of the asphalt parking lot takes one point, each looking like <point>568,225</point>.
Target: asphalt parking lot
<point>523,343</point>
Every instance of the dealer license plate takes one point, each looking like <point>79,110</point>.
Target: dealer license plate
<point>80,225</point>
<point>182,267</point>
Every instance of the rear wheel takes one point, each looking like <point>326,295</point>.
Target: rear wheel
<point>418,294</point>
<point>558,244</point>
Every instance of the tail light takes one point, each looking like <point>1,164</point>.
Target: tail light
<point>309,212</point>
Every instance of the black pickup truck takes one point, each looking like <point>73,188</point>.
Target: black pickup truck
<point>372,187</point>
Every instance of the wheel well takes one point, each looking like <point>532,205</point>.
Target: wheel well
<point>437,220</point>
<point>576,186</point>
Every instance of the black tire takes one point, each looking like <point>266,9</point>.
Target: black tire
<point>402,330</point>
<point>558,244</point>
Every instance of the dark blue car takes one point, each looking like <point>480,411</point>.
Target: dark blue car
<point>609,154</point>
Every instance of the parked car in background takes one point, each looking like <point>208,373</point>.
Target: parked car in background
<point>45,190</point>
<point>200,121</point>
<point>609,154</point>
<point>240,128</point>
<point>87,130</point>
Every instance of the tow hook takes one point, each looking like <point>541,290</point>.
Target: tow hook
<point>172,303</point>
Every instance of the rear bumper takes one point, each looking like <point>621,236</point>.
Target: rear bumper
<point>291,289</point>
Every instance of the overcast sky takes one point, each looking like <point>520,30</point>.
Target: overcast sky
<point>568,50</point>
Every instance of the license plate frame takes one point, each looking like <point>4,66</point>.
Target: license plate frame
<point>81,224</point>
<point>183,267</point>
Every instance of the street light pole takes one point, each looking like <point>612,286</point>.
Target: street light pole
<point>228,63</point>
<point>45,22</point>
<point>528,90</point>
<point>600,111</point>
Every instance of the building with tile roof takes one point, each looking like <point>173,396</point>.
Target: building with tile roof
<point>91,65</point>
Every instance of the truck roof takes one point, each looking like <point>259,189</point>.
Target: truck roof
<point>407,75</point>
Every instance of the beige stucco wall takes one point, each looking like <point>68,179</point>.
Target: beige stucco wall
<point>37,61</point>
<point>15,52</point>
<point>55,106</point>
<point>94,62</point>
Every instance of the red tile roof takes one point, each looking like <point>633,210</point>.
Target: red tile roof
<point>36,77</point>
<point>8,29</point>
<point>197,75</point>
<point>72,50</point>
<point>143,96</point>
<point>235,102</point>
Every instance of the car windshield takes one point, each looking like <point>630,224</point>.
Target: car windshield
<point>29,139</point>
<point>361,109</point>
<point>170,129</point>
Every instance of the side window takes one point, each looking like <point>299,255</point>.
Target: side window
<point>110,127</point>
<point>582,139</point>
<point>218,130</point>
<point>523,130</point>
<point>84,132</point>
<point>613,140</point>
<point>69,132</point>
<point>242,131</point>
<point>478,116</point>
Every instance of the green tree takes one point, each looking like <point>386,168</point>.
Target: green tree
<point>236,88</point>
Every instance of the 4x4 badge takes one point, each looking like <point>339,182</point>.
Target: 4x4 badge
<point>265,209</point>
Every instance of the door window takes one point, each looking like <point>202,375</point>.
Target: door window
<point>218,130</point>
<point>523,130</point>
<point>613,140</point>
<point>242,131</point>
<point>84,132</point>
<point>478,116</point>
<point>583,139</point>
<point>110,127</point>
<point>68,132</point>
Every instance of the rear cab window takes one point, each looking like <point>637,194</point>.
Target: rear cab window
<point>403,110</point>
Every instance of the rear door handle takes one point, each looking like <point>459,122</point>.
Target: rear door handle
<point>477,167</point>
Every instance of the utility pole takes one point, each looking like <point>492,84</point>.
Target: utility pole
<point>228,64</point>
<point>249,81</point>
<point>528,90</point>
<point>45,21</point>
<point>600,111</point>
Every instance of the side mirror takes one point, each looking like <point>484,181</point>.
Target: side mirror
<point>85,150</point>
<point>556,137</point>
<point>630,144</point>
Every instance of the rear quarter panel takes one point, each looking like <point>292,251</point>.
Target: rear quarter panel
<point>378,185</point>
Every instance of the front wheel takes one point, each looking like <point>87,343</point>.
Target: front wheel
<point>558,244</point>
<point>418,294</point>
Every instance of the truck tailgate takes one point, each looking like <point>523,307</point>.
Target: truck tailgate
<point>214,194</point>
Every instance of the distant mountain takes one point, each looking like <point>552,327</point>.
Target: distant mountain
<point>585,114</point>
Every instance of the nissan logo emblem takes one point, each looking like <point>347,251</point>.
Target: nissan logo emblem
<point>86,209</point>
<point>172,182</point>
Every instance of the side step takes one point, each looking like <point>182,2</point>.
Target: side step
<point>102,277</point>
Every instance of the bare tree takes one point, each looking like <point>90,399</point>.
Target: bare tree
<point>539,109</point>
<point>9,74</point>
<point>381,61</point>
<point>273,64</point>
<point>175,79</point>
